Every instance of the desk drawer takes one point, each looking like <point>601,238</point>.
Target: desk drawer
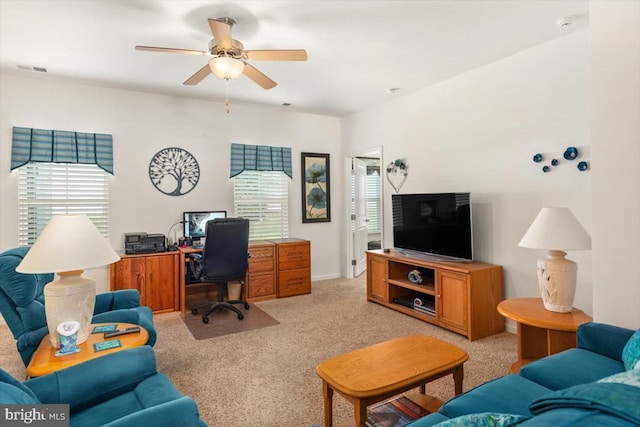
<point>261,285</point>
<point>294,282</point>
<point>295,255</point>
<point>261,260</point>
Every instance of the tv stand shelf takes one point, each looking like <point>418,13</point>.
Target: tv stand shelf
<point>462,296</point>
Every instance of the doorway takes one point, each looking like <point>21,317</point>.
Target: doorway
<point>366,210</point>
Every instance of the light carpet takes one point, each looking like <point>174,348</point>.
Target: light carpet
<point>266,377</point>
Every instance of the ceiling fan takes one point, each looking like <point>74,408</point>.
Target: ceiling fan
<point>230,58</point>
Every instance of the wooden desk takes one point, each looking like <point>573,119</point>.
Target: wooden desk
<point>541,332</point>
<point>378,372</point>
<point>260,283</point>
<point>44,361</point>
<point>154,275</point>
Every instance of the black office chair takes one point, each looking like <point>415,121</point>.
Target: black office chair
<point>225,258</point>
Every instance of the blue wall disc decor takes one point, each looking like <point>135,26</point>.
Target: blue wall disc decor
<point>554,162</point>
<point>571,153</point>
<point>583,166</point>
<point>537,158</point>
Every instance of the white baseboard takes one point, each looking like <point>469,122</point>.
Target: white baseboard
<point>325,277</point>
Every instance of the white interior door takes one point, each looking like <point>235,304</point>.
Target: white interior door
<point>360,237</point>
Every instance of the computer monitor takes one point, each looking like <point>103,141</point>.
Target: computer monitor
<point>195,222</point>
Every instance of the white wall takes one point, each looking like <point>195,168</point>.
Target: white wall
<point>615,135</point>
<point>478,132</point>
<point>141,125</point>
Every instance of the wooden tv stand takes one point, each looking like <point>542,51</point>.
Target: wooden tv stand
<point>462,296</point>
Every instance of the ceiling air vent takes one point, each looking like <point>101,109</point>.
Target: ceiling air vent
<point>30,68</point>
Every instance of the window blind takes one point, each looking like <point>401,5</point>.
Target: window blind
<point>47,189</point>
<point>263,198</point>
<point>374,208</point>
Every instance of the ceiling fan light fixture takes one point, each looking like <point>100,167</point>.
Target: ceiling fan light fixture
<point>226,67</point>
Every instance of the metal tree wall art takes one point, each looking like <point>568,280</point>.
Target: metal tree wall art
<point>174,171</point>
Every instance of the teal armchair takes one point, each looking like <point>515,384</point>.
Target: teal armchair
<point>22,305</point>
<point>120,389</point>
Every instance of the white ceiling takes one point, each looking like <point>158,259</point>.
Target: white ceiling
<point>357,49</point>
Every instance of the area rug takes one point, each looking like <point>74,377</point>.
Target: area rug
<point>226,322</point>
<point>395,412</point>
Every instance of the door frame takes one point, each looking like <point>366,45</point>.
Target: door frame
<point>373,152</point>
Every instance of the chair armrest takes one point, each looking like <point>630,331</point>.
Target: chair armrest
<point>96,380</point>
<point>607,340</point>
<point>182,412</point>
<point>116,300</point>
<point>117,316</point>
<point>142,316</point>
<point>28,343</point>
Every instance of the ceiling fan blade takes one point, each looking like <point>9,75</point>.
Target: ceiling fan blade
<point>198,76</point>
<point>170,50</point>
<point>222,33</point>
<point>277,55</point>
<point>258,77</point>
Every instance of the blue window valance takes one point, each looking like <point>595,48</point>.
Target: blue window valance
<point>59,146</point>
<point>260,158</point>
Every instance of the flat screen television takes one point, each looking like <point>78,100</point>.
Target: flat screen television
<point>435,226</point>
<point>195,222</point>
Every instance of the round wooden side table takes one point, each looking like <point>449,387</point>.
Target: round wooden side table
<point>541,332</point>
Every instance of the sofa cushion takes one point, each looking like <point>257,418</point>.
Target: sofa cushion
<point>569,368</point>
<point>510,394</point>
<point>631,351</point>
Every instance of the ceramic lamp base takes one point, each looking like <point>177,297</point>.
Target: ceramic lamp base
<point>557,281</point>
<point>69,298</point>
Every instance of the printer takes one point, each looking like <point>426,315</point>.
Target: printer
<point>143,243</point>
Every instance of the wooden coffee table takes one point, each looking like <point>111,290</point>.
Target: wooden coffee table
<point>378,372</point>
<point>541,332</point>
<point>44,361</point>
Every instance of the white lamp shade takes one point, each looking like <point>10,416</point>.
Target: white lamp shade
<point>557,229</point>
<point>226,67</point>
<point>68,243</point>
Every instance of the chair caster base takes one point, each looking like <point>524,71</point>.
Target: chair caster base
<point>247,306</point>
<point>205,320</point>
<point>194,311</point>
<point>240,316</point>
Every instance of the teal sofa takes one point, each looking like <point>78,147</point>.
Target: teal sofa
<point>22,305</point>
<point>591,385</point>
<point>120,389</point>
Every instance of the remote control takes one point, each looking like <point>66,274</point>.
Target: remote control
<point>131,330</point>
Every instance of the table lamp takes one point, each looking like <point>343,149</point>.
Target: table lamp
<point>557,230</point>
<point>68,245</point>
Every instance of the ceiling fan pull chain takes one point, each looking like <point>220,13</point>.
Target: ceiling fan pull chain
<point>226,91</point>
